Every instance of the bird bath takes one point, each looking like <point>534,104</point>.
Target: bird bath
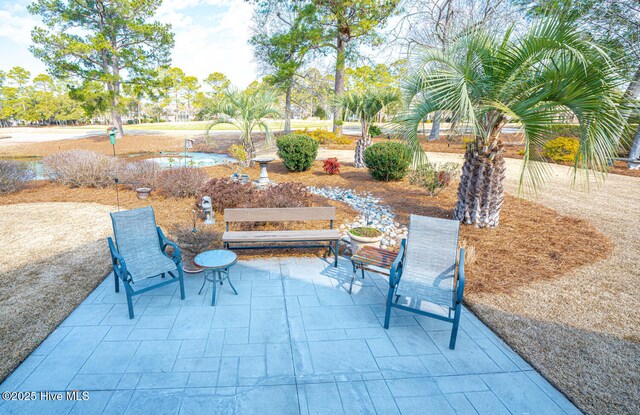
<point>264,176</point>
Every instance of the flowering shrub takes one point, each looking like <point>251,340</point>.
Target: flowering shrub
<point>14,175</point>
<point>327,137</point>
<point>182,181</point>
<point>331,166</point>
<point>561,148</point>
<point>433,177</point>
<point>80,168</point>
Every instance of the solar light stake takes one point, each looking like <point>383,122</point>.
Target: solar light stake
<point>115,179</point>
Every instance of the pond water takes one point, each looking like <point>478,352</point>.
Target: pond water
<point>164,160</point>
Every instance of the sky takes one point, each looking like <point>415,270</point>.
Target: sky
<point>210,36</point>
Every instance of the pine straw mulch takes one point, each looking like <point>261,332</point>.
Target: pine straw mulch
<point>532,242</point>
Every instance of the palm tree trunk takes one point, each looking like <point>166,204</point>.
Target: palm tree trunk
<point>361,146</point>
<point>634,152</point>
<point>481,189</point>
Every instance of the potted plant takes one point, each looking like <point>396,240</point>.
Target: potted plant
<point>143,192</point>
<point>364,236</point>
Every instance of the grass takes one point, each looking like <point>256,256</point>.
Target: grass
<point>201,125</point>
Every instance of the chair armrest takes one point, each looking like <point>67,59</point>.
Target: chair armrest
<point>460,286</point>
<point>398,265</point>
<point>164,243</point>
<point>119,264</point>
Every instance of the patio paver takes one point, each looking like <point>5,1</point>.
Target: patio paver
<point>293,341</point>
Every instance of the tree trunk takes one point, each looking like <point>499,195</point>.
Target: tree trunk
<point>435,126</point>
<point>634,152</point>
<point>630,94</point>
<point>361,146</point>
<point>249,147</point>
<point>338,87</point>
<point>287,111</point>
<point>481,189</point>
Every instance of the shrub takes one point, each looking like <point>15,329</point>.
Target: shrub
<point>283,195</point>
<point>14,175</point>
<point>561,148</point>
<point>433,177</point>
<point>297,151</point>
<point>181,181</point>
<point>325,137</point>
<point>80,168</point>
<point>388,161</point>
<point>375,131</point>
<point>331,166</point>
<point>192,243</point>
<point>226,193</point>
<point>564,130</point>
<point>140,173</point>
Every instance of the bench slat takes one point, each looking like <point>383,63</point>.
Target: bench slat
<point>279,214</point>
<point>281,236</point>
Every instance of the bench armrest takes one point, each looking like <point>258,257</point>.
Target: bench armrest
<point>119,264</point>
<point>395,273</point>
<point>164,243</point>
<point>460,285</point>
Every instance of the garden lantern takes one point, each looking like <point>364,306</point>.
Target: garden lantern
<point>209,219</point>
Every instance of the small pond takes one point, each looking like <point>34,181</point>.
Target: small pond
<point>164,160</point>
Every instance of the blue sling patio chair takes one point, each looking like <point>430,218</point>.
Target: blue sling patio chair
<point>140,253</point>
<point>425,270</point>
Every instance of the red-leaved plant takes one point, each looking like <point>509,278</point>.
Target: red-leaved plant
<point>331,166</point>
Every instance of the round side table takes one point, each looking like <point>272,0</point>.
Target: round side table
<point>215,265</point>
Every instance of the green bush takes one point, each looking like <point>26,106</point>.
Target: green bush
<point>388,161</point>
<point>375,131</point>
<point>297,151</point>
<point>561,148</point>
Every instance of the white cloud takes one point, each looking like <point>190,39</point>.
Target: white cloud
<point>212,35</point>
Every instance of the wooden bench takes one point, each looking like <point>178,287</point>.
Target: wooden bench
<point>245,239</point>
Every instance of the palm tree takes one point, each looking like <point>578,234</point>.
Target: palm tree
<point>245,110</point>
<point>487,81</point>
<point>365,106</point>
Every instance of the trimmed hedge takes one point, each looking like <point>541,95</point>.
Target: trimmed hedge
<point>388,161</point>
<point>297,151</point>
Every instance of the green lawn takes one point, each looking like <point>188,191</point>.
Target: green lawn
<point>201,125</point>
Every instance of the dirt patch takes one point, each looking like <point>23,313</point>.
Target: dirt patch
<point>58,255</point>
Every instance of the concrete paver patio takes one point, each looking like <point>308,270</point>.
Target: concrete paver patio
<point>292,342</point>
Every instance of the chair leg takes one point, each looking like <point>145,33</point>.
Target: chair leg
<point>129,300</point>
<point>181,280</point>
<point>115,280</point>
<point>387,314</point>
<point>454,330</point>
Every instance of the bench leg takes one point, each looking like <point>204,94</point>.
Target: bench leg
<point>335,264</point>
